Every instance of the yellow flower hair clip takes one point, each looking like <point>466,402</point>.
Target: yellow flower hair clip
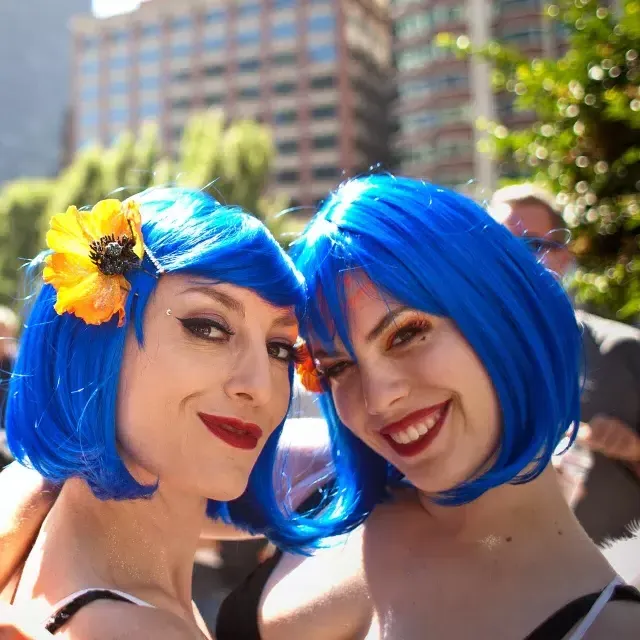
<point>306,369</point>
<point>92,252</point>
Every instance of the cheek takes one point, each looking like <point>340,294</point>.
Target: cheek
<point>349,403</point>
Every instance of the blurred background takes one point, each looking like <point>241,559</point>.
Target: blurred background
<point>271,104</point>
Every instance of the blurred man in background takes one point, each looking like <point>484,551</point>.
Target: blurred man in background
<point>610,501</point>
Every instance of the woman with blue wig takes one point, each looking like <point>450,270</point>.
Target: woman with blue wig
<point>152,382</point>
<point>447,362</point>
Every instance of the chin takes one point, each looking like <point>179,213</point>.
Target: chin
<point>231,490</point>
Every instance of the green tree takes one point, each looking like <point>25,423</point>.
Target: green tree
<point>233,160</point>
<point>22,206</point>
<point>585,142</point>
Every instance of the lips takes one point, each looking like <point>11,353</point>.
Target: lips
<point>415,432</point>
<point>234,432</point>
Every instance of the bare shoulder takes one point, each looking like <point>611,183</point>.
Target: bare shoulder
<point>108,620</point>
<point>619,620</point>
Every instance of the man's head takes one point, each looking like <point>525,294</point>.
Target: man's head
<point>529,212</point>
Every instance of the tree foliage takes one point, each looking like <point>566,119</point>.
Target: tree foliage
<point>585,142</point>
<point>232,161</point>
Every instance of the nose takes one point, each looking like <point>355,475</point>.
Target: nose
<point>250,379</point>
<point>383,386</point>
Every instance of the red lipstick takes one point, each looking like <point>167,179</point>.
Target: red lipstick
<point>236,433</point>
<point>416,446</point>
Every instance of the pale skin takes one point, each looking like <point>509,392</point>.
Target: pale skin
<point>146,547</point>
<point>492,569</point>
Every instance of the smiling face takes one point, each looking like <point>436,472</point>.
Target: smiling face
<point>199,399</point>
<point>416,393</point>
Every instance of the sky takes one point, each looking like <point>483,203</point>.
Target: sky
<point>104,8</point>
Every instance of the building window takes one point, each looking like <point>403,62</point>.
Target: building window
<point>322,113</point>
<point>286,147</point>
<point>249,66</point>
<point>322,23</point>
<point>323,82</point>
<point>215,16</point>
<point>118,115</point>
<point>151,31</point>
<point>286,117</point>
<point>249,9</point>
<point>118,36</point>
<point>182,75</point>
<point>181,103</point>
<point>118,86</point>
<point>284,58</point>
<point>322,53</point>
<point>90,92</point>
<point>182,23</point>
<point>118,62</point>
<point>89,118</point>
<point>89,42</point>
<point>250,93</point>
<point>288,176</point>
<point>214,70</point>
<point>325,142</point>
<point>251,36</point>
<point>284,88</point>
<point>325,173</point>
<point>89,66</point>
<point>181,49</point>
<point>149,110</point>
<point>283,30</point>
<point>149,82</point>
<point>150,55</point>
<point>214,43</point>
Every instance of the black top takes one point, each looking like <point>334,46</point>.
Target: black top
<point>238,614</point>
<point>62,616</point>
<point>242,624</point>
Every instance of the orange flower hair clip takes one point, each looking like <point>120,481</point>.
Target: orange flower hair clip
<point>306,369</point>
<point>92,252</point>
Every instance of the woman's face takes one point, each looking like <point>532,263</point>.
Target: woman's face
<point>416,393</point>
<point>198,401</point>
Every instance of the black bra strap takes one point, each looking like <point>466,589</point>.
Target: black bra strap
<point>561,622</point>
<point>62,616</point>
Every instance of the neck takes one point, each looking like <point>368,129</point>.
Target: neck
<point>508,510</point>
<point>145,545</point>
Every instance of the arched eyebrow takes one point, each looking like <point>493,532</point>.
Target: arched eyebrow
<point>219,296</point>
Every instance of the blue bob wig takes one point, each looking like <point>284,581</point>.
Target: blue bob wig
<point>61,411</point>
<point>437,251</point>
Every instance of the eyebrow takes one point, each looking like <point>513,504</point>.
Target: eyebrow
<point>384,322</point>
<point>378,330</point>
<point>219,296</point>
<point>285,320</point>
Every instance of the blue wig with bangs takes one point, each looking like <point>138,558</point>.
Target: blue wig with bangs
<point>437,251</point>
<point>61,411</point>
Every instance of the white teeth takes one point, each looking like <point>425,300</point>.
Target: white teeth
<point>422,429</point>
<point>416,431</point>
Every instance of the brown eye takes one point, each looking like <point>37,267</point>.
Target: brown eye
<point>408,333</point>
<point>334,370</point>
<point>281,351</point>
<point>206,329</point>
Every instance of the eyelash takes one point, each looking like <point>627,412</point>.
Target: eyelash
<point>196,326</point>
<point>414,328</point>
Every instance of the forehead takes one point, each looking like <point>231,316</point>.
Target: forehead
<point>359,309</point>
<point>530,219</point>
<point>237,298</point>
